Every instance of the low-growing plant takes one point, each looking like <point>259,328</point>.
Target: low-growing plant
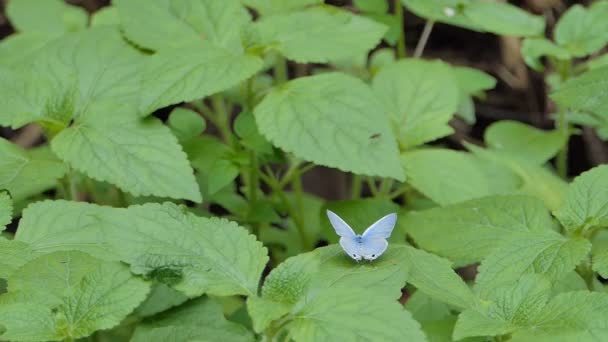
<point>161,198</point>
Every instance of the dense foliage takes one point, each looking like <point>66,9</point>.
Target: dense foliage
<point>165,202</point>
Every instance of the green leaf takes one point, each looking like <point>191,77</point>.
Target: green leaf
<point>166,25</point>
<point>467,232</point>
<point>70,77</point>
<point>207,255</point>
<point>105,16</point>
<point>509,308</point>
<point>332,120</point>
<point>318,35</point>
<point>519,140</point>
<point>13,255</point>
<point>434,276</point>
<point>473,81</point>
<point>479,15</point>
<point>534,180</point>
<point>585,92</point>
<point>221,174</point>
<point>26,173</point>
<point>535,48</point>
<point>544,252</point>
<point>246,128</point>
<point>22,47</point>
<point>6,209</point>
<point>268,7</point>
<point>572,316</point>
<point>161,298</point>
<point>583,31</point>
<point>447,176</point>
<point>201,319</point>
<point>585,206</point>
<point>372,6</point>
<point>186,123</point>
<point>50,16</point>
<point>600,263</point>
<point>73,297</point>
<point>360,214</point>
<point>139,156</point>
<point>349,314</point>
<point>420,97</point>
<point>187,74</point>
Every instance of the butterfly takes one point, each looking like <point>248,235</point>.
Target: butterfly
<point>369,245</point>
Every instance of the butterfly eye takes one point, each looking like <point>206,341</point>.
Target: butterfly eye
<point>354,255</point>
<point>373,255</point>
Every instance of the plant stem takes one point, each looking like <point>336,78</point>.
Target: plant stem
<point>356,187</point>
<point>222,117</point>
<point>280,70</point>
<point>254,181</point>
<point>385,186</point>
<point>297,191</point>
<point>401,53</point>
<point>426,33</point>
<point>372,185</point>
<point>562,156</point>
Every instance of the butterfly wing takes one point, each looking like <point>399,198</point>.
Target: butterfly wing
<point>348,238</point>
<point>341,227</point>
<point>373,240</point>
<point>381,228</point>
<point>371,249</point>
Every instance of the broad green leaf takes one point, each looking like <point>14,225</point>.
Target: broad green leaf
<point>575,314</point>
<point>333,120</point>
<point>504,19</point>
<point>467,232</point>
<point>472,81</point>
<point>6,209</point>
<point>545,252</point>
<point>26,173</point>
<point>170,24</point>
<point>200,255</point>
<point>269,7</point>
<point>49,16</point>
<point>479,15</point>
<point>359,214</point>
<point>519,140</point>
<point>161,298</point>
<point>212,160</point>
<point>585,206</point>
<point>600,263</point>
<point>186,123</point>
<point>426,309</point>
<point>583,31</point>
<point>595,63</point>
<point>69,77</point>
<point>28,322</point>
<point>187,74</point>
<point>372,6</point>
<point>22,47</point>
<point>434,276</point>
<point>140,156</point>
<point>420,96</point>
<point>318,35</point>
<point>198,320</point>
<point>246,128</point>
<point>447,176</point>
<point>13,255</point>
<point>585,92</point>
<point>534,180</point>
<point>85,294</point>
<point>105,16</point>
<point>534,48</point>
<point>509,309</point>
<point>351,313</point>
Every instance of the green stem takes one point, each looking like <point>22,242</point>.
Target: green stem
<point>562,156</point>
<point>280,70</point>
<point>372,185</point>
<point>401,53</point>
<point>254,181</point>
<point>586,272</point>
<point>357,184</point>
<point>222,117</point>
<point>385,186</point>
<point>298,193</point>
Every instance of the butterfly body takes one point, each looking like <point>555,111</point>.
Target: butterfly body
<point>369,245</point>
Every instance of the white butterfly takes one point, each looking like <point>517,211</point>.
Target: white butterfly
<point>369,245</point>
